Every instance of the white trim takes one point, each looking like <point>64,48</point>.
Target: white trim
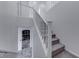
<point>32,42</point>
<point>4,51</point>
<point>19,39</point>
<point>73,53</point>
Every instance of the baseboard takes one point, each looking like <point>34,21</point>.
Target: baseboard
<point>5,51</point>
<point>73,53</point>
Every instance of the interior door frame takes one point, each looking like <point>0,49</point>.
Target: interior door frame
<point>20,37</point>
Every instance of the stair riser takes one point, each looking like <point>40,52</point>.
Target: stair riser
<point>55,42</point>
<point>58,51</point>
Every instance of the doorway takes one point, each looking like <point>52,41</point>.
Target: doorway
<point>25,42</point>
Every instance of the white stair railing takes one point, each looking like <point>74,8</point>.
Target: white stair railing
<point>40,24</point>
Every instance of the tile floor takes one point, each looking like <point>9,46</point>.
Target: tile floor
<point>25,53</point>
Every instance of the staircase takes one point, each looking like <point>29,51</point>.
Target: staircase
<point>57,47</point>
<point>43,30</point>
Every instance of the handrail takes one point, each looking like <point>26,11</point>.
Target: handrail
<point>31,8</point>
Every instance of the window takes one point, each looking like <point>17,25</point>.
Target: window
<point>26,35</point>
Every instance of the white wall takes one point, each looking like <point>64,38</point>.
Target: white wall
<point>9,31</point>
<point>9,23</point>
<point>7,7</point>
<point>15,9</point>
<point>65,17</point>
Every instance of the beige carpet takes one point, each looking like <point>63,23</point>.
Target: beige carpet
<point>65,54</point>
